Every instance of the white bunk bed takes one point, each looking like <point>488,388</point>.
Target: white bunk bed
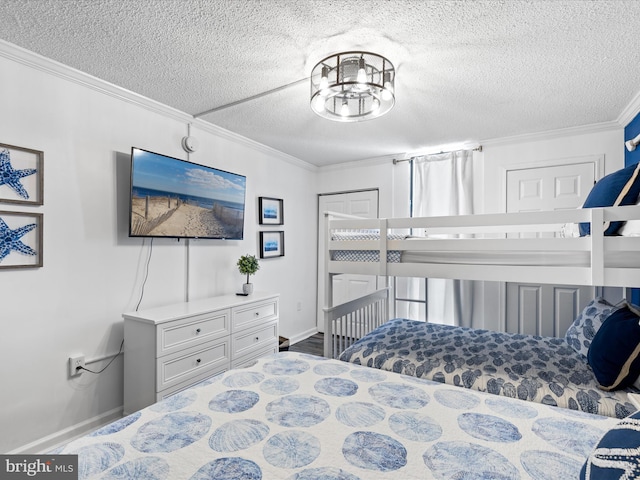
<point>492,254</point>
<point>511,247</point>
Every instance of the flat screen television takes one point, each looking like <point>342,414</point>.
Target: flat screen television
<point>179,199</point>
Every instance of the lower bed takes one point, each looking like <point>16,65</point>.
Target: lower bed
<point>538,369</point>
<point>295,416</point>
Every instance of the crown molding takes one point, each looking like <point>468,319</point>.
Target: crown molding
<point>363,162</point>
<point>552,134</point>
<point>52,67</point>
<point>630,112</point>
<point>247,142</point>
<point>46,65</point>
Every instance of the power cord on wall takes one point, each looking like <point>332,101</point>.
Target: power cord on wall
<point>146,275</point>
<point>144,281</point>
<point>107,365</point>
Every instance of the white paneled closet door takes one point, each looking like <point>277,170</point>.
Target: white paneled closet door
<point>547,310</point>
<point>345,287</point>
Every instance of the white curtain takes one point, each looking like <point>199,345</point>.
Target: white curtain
<point>443,185</point>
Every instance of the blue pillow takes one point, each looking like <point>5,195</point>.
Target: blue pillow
<point>614,354</point>
<point>581,332</point>
<point>617,453</point>
<point>617,188</point>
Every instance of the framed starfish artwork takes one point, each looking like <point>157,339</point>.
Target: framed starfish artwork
<point>20,240</point>
<point>21,175</point>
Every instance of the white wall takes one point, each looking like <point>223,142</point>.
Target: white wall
<point>604,139</point>
<point>391,180</point>
<point>92,271</point>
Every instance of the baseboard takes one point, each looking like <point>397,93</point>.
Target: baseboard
<point>303,336</point>
<point>57,439</point>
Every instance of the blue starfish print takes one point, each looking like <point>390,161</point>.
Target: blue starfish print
<point>10,240</point>
<point>625,459</point>
<point>11,177</point>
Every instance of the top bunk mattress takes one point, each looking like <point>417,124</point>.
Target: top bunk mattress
<point>525,258</point>
<point>552,258</point>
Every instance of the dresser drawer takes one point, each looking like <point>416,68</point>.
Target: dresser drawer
<point>253,356</point>
<point>191,382</point>
<point>248,341</point>
<point>181,334</point>
<point>253,314</point>
<point>191,363</point>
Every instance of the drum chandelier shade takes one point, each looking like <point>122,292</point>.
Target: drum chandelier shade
<point>352,86</point>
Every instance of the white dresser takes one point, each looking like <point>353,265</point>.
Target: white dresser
<point>170,348</point>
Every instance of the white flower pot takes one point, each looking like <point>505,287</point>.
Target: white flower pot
<point>247,288</point>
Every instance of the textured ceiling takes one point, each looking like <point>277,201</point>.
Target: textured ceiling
<point>467,71</point>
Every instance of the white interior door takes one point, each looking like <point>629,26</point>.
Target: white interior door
<point>345,287</point>
<point>547,310</point>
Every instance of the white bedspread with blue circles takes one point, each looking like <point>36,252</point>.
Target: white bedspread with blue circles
<point>294,416</point>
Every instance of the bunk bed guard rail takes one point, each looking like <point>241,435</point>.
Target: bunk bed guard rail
<point>349,321</point>
<point>490,234</point>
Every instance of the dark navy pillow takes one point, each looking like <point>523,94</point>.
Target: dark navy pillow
<point>617,453</point>
<point>614,354</point>
<point>617,188</point>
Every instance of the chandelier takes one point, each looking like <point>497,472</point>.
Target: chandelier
<point>352,86</point>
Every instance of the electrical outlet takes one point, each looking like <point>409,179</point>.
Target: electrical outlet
<point>75,362</point>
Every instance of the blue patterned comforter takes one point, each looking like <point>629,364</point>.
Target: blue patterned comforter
<point>295,417</point>
<point>539,369</point>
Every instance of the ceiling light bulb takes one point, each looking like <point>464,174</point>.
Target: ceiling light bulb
<point>319,103</point>
<point>387,90</point>
<point>324,79</point>
<point>387,82</point>
<point>376,104</point>
<point>344,110</point>
<point>362,72</point>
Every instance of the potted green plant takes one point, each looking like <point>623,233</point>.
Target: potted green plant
<point>248,265</point>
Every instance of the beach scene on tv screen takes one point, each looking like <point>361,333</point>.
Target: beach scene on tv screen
<point>174,198</point>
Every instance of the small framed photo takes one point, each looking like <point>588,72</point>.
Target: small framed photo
<point>21,175</point>
<point>271,244</point>
<point>271,211</point>
<point>21,246</point>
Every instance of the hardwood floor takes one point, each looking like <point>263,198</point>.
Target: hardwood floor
<point>313,345</point>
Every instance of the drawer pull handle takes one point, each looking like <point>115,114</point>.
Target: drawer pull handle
<point>257,314</point>
<point>198,331</point>
<point>257,338</point>
<point>198,361</point>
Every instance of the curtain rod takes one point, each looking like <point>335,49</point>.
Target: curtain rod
<point>396,160</point>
